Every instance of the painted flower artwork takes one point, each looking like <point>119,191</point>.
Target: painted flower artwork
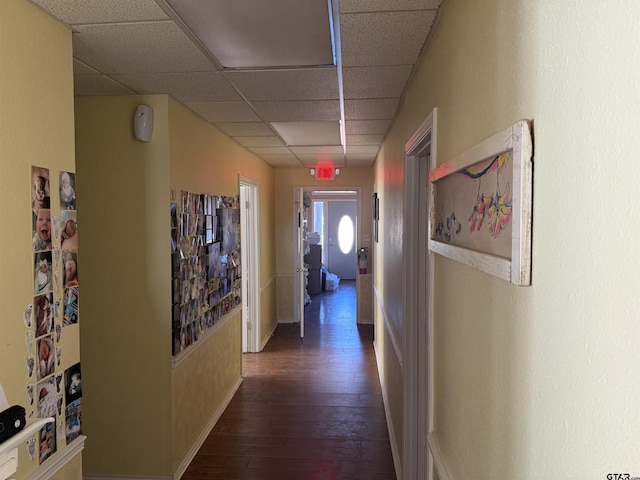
<point>499,213</point>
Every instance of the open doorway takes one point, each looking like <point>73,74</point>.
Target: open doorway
<point>331,244</point>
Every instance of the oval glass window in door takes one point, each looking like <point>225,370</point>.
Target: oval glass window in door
<point>346,234</point>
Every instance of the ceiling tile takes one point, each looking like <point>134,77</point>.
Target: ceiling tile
<point>270,150</point>
<point>364,139</point>
<point>282,160</point>
<point>313,160</point>
<point>223,112</point>
<point>84,85</point>
<point>354,6</point>
<point>375,82</point>
<point>254,129</point>
<point>367,127</point>
<point>272,141</point>
<point>320,110</point>
<point>394,38</point>
<point>73,12</point>
<point>80,68</point>
<point>360,160</point>
<point>362,149</point>
<point>323,150</point>
<point>184,86</point>
<point>370,109</point>
<point>307,84</point>
<point>309,133</point>
<point>273,33</point>
<point>138,48</point>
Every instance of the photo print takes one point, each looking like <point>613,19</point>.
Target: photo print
<point>43,314</point>
<point>47,399</point>
<point>70,265</point>
<point>71,297</point>
<point>69,230</point>
<point>67,191</point>
<point>41,239</point>
<point>46,357</point>
<point>40,188</point>
<point>47,441</point>
<point>72,383</point>
<point>43,273</point>
<point>230,218</point>
<point>73,421</point>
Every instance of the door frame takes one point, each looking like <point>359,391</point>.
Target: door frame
<point>418,381</point>
<point>250,265</point>
<point>326,188</point>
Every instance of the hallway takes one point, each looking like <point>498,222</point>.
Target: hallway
<point>306,410</point>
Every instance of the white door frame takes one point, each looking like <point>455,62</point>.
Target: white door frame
<point>418,304</point>
<point>250,265</point>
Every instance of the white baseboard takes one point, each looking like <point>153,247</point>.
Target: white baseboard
<point>58,460</point>
<point>267,337</point>
<point>395,451</point>
<point>438,459</point>
<point>206,431</point>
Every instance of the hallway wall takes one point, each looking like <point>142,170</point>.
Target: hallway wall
<point>285,179</point>
<point>129,373</point>
<point>36,129</point>
<point>531,382</point>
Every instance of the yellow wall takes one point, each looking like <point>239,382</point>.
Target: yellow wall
<point>128,355</point>
<point>534,382</point>
<point>285,181</point>
<point>126,298</point>
<point>36,128</point>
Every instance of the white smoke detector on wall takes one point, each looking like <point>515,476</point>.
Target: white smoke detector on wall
<point>143,123</point>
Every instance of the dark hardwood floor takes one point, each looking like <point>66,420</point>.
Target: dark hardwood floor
<point>306,410</point>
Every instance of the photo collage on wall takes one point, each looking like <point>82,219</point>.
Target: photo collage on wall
<point>54,243</point>
<point>205,260</point>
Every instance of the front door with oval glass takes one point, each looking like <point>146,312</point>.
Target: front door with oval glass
<point>341,238</point>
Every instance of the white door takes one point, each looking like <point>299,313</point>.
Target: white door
<point>300,274</point>
<point>341,238</point>
<point>249,265</point>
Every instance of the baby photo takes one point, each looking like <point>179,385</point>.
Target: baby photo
<point>40,193</point>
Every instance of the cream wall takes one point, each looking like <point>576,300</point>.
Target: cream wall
<point>128,356</point>
<point>36,128</point>
<point>285,179</point>
<point>534,382</point>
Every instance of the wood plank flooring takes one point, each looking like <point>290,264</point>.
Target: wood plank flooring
<point>308,410</point>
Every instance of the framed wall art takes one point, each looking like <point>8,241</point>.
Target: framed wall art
<point>481,205</point>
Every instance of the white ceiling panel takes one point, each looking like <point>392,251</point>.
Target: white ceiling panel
<point>319,150</point>
<point>309,133</point>
<point>375,82</point>
<point>223,112</point>
<point>272,141</point>
<point>247,129</point>
<point>364,139</point>
<point>270,150</point>
<point>299,111</point>
<point>73,12</point>
<point>370,109</point>
<point>374,39</point>
<point>367,127</point>
<point>259,33</point>
<point>279,63</point>
<point>263,85</point>
<point>138,48</point>
<point>184,86</point>
<point>355,6</point>
<point>314,160</point>
<point>84,85</point>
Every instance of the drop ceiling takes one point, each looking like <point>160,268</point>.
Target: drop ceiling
<point>297,82</point>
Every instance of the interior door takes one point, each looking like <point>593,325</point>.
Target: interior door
<point>341,237</point>
<point>300,284</point>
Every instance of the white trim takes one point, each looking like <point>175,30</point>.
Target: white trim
<point>438,459</point>
<point>389,328</point>
<point>395,450</point>
<point>418,375</point>
<point>206,431</point>
<point>59,460</point>
<point>251,267</point>
<point>267,337</point>
<point>183,355</point>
